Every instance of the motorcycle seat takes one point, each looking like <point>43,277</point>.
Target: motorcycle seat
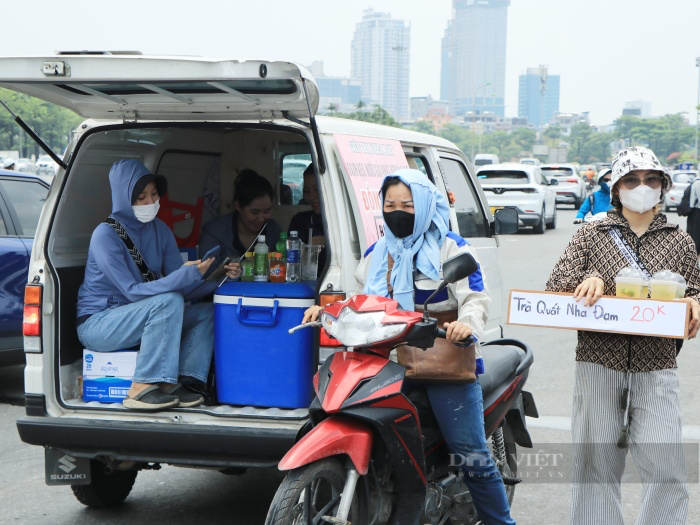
<point>500,363</point>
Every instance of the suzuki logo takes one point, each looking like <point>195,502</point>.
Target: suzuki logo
<point>67,464</point>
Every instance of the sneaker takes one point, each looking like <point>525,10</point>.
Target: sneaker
<point>151,398</point>
<point>187,398</point>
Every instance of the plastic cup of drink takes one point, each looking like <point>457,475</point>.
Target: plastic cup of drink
<point>629,287</point>
<point>645,290</point>
<point>309,261</point>
<point>680,290</point>
<point>663,290</point>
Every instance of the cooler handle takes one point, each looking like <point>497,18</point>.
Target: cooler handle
<point>243,311</point>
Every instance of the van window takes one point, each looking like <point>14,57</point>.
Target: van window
<point>471,221</point>
<point>292,179</point>
<point>27,199</point>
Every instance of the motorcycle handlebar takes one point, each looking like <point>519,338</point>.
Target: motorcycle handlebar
<point>467,341</point>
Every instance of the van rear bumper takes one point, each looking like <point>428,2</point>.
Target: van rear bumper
<point>190,445</point>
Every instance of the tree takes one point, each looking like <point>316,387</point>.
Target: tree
<point>424,126</point>
<point>524,138</point>
<point>554,133</point>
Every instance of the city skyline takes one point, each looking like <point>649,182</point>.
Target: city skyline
<point>601,55</point>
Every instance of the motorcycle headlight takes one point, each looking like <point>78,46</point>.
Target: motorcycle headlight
<point>357,329</point>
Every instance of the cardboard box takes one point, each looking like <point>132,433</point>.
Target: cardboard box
<point>107,375</point>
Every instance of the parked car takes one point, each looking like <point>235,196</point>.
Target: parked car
<point>482,159</point>
<point>681,180</point>
<point>26,165</point>
<point>22,197</point>
<point>45,165</point>
<point>572,189</point>
<point>180,116</point>
<point>524,187</point>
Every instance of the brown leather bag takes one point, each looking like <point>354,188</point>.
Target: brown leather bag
<point>442,363</point>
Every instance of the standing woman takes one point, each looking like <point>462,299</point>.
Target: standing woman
<point>626,389</point>
<point>417,238</point>
<point>123,303</point>
<point>253,200</point>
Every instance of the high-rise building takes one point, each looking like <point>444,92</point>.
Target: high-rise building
<point>473,76</point>
<point>538,105</point>
<point>380,60</point>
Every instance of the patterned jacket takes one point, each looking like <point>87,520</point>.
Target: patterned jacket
<point>592,252</point>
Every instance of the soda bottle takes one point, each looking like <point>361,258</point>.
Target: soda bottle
<point>281,246</point>
<point>293,258</point>
<point>278,269</point>
<point>261,260</point>
<point>248,267</point>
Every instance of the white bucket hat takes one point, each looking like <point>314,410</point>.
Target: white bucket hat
<point>638,158</point>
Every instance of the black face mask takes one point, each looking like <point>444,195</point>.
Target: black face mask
<point>400,222</point>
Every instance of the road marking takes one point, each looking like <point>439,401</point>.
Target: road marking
<point>690,432</point>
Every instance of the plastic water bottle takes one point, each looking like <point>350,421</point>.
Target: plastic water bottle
<point>293,258</point>
<point>261,260</point>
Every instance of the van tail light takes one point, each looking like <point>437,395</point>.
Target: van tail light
<point>327,298</point>
<point>572,179</point>
<point>31,323</point>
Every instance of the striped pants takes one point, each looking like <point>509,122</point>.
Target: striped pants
<point>654,444</point>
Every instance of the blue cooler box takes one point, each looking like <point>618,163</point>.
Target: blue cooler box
<point>258,362</point>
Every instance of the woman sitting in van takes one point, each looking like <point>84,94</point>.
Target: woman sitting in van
<point>236,232</point>
<point>417,241</point>
<point>134,294</point>
<point>306,221</point>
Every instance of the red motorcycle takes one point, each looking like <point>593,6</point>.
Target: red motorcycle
<point>372,452</point>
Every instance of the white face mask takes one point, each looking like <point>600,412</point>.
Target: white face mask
<point>641,199</point>
<point>146,212</point>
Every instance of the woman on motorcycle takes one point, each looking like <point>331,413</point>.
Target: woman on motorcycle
<point>599,201</point>
<point>626,389</point>
<point>417,240</point>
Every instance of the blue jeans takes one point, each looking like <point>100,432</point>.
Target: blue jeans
<point>175,340</point>
<point>459,410</point>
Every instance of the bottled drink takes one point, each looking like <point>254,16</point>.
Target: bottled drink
<point>261,260</point>
<point>248,267</point>
<point>278,269</point>
<point>281,246</point>
<point>293,258</point>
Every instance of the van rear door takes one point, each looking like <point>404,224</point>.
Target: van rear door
<point>138,87</point>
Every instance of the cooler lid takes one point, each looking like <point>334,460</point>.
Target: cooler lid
<point>302,290</point>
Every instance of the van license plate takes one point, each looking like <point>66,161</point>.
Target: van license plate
<point>64,469</point>
<point>494,208</point>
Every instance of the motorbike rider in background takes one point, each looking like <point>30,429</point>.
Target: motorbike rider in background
<point>599,201</point>
<point>417,240</point>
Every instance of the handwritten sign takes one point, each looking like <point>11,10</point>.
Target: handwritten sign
<point>609,314</point>
<point>367,160</point>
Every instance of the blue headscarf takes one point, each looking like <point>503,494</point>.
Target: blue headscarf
<point>430,227</point>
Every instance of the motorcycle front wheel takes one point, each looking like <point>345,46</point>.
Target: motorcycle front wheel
<point>310,492</point>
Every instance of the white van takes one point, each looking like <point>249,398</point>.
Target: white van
<point>482,159</point>
<point>199,121</point>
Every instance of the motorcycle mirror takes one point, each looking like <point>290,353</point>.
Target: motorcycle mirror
<point>458,267</point>
<point>453,269</point>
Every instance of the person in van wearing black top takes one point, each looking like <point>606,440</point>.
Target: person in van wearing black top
<point>304,221</point>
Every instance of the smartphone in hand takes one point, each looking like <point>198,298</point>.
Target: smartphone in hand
<point>211,253</point>
<point>220,271</point>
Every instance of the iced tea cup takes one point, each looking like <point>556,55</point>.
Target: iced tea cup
<point>628,287</point>
<point>645,290</point>
<point>663,290</point>
<point>680,290</point>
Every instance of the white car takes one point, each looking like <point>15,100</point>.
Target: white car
<point>524,187</point>
<point>571,188</point>
<point>45,165</point>
<point>681,180</point>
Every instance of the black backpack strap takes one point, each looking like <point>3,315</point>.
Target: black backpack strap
<point>133,250</point>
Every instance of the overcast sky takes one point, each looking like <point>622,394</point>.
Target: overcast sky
<point>607,52</point>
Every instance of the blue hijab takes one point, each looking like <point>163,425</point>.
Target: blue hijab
<point>430,227</point>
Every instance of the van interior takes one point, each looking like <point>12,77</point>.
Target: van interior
<point>200,163</point>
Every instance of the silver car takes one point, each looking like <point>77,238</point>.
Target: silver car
<point>524,187</point>
<point>681,180</point>
<point>572,189</point>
